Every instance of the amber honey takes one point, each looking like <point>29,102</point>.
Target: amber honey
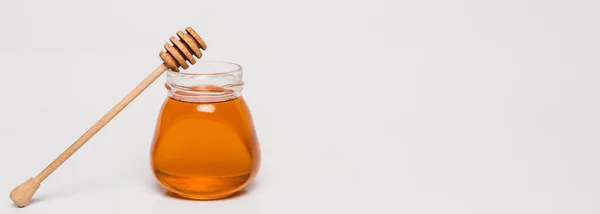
<point>204,149</point>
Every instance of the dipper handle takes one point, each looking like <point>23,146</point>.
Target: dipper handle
<point>176,56</point>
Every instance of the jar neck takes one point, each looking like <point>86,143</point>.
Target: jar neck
<point>209,82</point>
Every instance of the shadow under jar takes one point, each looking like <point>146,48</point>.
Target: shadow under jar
<point>205,146</point>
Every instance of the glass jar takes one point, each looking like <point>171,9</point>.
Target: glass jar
<point>205,145</point>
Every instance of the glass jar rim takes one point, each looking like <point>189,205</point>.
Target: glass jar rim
<point>199,69</point>
<point>206,81</point>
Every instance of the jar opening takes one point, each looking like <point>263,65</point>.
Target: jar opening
<point>206,81</point>
<point>204,68</point>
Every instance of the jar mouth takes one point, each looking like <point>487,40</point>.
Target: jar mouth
<point>206,81</point>
<point>209,68</point>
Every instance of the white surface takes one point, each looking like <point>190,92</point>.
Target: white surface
<point>361,106</point>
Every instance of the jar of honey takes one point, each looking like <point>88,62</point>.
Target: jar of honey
<point>205,146</point>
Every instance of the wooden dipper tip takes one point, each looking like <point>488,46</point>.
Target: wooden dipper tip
<point>179,52</point>
<point>22,194</point>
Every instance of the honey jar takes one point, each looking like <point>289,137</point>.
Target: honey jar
<point>205,146</point>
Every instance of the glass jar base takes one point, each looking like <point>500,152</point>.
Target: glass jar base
<point>205,197</point>
<point>203,187</point>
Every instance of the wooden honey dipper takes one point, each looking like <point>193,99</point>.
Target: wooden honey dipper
<point>177,55</point>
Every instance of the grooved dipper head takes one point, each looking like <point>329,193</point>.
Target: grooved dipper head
<point>182,50</point>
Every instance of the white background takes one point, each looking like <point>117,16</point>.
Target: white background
<point>360,106</point>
